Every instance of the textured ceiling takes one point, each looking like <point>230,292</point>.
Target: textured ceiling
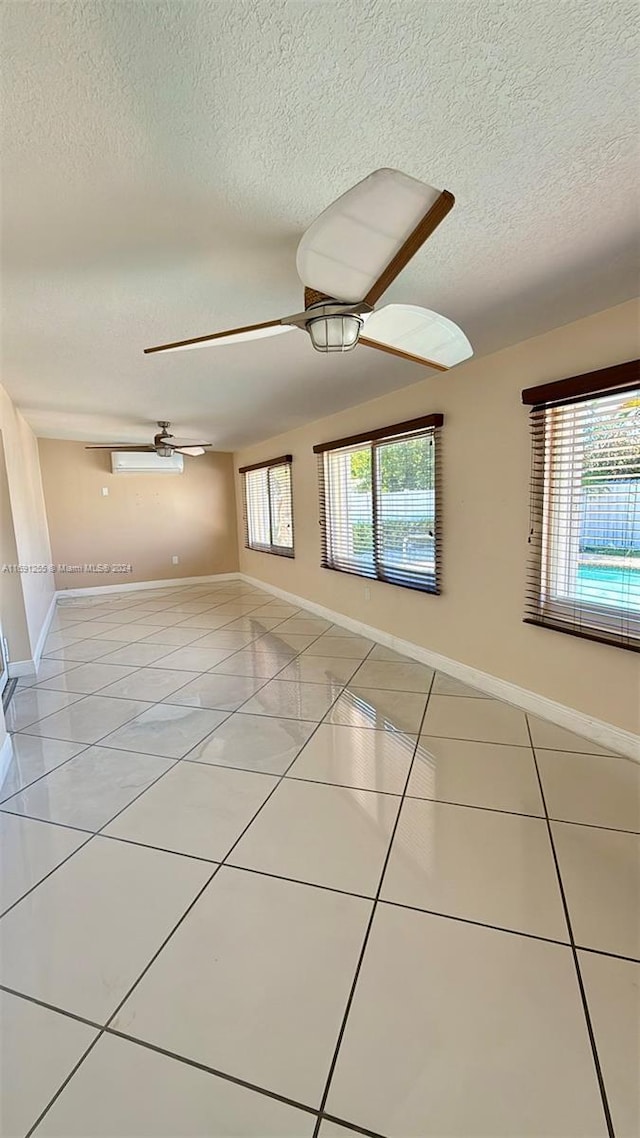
<point>161,161</point>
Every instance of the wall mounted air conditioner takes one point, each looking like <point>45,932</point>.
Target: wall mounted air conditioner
<point>145,462</point>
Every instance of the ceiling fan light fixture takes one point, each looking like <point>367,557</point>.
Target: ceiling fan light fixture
<point>164,451</point>
<point>335,333</point>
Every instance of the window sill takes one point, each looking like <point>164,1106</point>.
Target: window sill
<point>597,635</point>
<point>431,588</point>
<point>273,552</point>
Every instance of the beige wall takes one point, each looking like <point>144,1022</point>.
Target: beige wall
<point>28,523</point>
<point>478,618</point>
<point>144,520</point>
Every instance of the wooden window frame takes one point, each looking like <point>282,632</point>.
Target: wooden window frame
<point>584,619</point>
<point>285,460</point>
<point>407,430</point>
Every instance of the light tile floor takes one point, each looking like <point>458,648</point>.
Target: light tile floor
<point>264,878</point>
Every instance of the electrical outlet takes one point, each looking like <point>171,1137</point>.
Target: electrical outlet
<point>367,593</point>
<point>105,491</point>
<point>175,559</point>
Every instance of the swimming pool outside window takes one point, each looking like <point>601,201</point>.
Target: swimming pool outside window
<point>584,565</point>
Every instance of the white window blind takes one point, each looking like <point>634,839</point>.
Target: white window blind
<point>379,504</point>
<point>584,564</point>
<point>268,511</point>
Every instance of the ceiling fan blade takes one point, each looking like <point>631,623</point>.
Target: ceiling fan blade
<point>192,451</point>
<point>416,334</point>
<point>177,444</point>
<point>416,239</point>
<point>402,355</point>
<point>232,336</point>
<point>360,243</point>
<point>117,446</point>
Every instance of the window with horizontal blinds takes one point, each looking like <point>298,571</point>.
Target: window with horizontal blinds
<point>584,564</point>
<point>379,504</point>
<point>268,512</point>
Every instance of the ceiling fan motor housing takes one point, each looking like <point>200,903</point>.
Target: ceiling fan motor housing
<point>161,441</point>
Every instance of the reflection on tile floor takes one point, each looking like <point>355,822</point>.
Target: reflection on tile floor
<point>262,877</point>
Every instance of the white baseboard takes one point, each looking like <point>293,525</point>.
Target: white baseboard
<point>6,755</point>
<point>19,668</point>
<point>606,735</point>
<point>136,586</point>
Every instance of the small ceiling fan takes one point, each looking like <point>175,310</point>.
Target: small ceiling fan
<point>346,260</point>
<point>164,444</point>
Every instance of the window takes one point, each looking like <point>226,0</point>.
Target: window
<point>268,517</point>
<point>584,567</point>
<point>379,507</point>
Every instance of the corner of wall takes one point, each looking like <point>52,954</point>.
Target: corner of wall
<point>29,522</point>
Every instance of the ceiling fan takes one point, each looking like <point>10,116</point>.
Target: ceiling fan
<point>346,260</point>
<point>164,444</point>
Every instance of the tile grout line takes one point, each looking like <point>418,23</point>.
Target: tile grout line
<point>53,870</point>
<point>49,822</point>
<point>283,877</point>
<point>269,680</point>
<point>124,750</point>
<point>94,833</point>
<point>134,671</point>
<point>353,1126</point>
<point>62,1086</point>
<point>154,666</point>
<point>86,695</point>
<point>103,1028</point>
<point>161,947</point>
<point>49,1007</point>
<point>293,880</point>
<point>216,1072</point>
<point>165,941</point>
<point>221,863</point>
<point>5,803</point>
<point>205,631</point>
<point>63,762</point>
<point>143,640</point>
<point>77,829</point>
<point>153,703</point>
<point>365,942</point>
<point>285,774</point>
<point>572,943</point>
<point>183,617</point>
<point>471,921</point>
<point>606,952</point>
<point>256,641</point>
